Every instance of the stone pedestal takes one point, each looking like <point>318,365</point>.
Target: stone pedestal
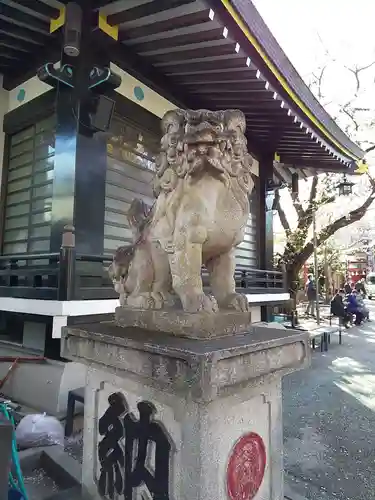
<point>186,419</point>
<point>183,324</point>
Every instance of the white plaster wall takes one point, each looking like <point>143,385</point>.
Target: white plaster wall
<point>73,377</point>
<point>32,88</point>
<point>152,101</point>
<point>255,314</point>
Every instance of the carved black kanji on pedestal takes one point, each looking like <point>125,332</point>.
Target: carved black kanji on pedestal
<point>141,433</point>
<point>110,450</point>
<point>126,466</point>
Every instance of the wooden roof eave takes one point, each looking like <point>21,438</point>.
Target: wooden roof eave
<point>242,17</point>
<point>188,52</point>
<point>196,55</point>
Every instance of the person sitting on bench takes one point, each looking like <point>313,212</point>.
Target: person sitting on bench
<point>338,309</point>
<point>354,308</point>
<point>364,310</point>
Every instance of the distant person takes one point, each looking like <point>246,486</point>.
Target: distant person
<point>348,288</point>
<point>338,309</point>
<point>362,307</point>
<point>360,286</point>
<point>353,307</point>
<point>310,291</point>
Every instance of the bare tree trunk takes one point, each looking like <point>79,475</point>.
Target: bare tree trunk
<point>294,259</point>
<point>326,276</point>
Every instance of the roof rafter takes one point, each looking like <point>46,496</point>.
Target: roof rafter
<point>144,10</point>
<point>22,19</point>
<point>32,6</point>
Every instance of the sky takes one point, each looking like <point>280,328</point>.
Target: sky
<point>306,29</point>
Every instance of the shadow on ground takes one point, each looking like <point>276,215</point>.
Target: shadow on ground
<point>329,420</point>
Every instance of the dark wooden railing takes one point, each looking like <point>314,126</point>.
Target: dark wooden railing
<point>70,275</point>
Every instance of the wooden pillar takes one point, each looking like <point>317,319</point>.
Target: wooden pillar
<point>80,157</point>
<point>266,236</point>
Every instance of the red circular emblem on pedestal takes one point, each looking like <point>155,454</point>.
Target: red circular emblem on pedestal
<point>246,467</point>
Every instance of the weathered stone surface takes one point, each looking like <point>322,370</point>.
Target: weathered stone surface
<point>202,186</point>
<point>207,395</point>
<point>183,324</point>
<point>201,370</point>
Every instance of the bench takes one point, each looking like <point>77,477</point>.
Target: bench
<point>73,396</point>
<point>315,332</point>
<point>323,338</point>
<point>322,332</point>
<point>326,332</point>
<point>340,324</point>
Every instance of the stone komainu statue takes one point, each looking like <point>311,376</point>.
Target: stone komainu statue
<point>202,186</point>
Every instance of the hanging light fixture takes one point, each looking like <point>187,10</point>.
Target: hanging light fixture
<point>72,29</point>
<point>345,187</point>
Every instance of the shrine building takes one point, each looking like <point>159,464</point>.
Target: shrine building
<point>80,112</point>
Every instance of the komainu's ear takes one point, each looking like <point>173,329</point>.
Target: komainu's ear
<point>137,213</point>
<point>235,119</point>
<point>172,121</point>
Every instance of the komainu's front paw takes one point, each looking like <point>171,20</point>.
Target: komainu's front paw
<point>158,300</point>
<point>141,301</point>
<point>237,301</point>
<point>193,303</point>
<point>169,299</point>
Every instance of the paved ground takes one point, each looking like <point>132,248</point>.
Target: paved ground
<point>329,420</point>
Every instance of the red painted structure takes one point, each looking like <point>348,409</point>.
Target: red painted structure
<point>356,266</point>
<point>246,467</point>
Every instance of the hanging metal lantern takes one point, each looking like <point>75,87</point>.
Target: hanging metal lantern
<point>345,187</point>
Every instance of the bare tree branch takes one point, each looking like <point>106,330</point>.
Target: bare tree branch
<point>354,116</point>
<point>319,82</point>
<point>282,214</point>
<point>372,182</point>
<point>326,51</point>
<point>356,71</point>
<point>353,216</point>
<point>365,67</point>
<point>297,204</point>
<point>313,190</point>
<point>326,200</point>
<point>346,111</point>
<point>305,219</point>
